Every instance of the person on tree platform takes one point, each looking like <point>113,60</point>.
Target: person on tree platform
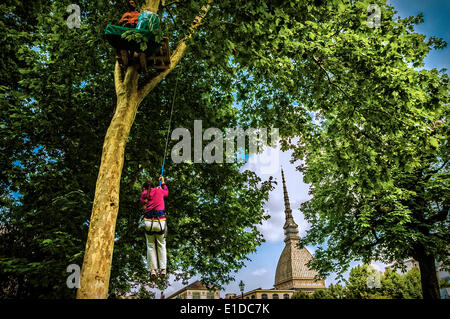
<point>129,20</point>
<point>147,24</point>
<point>155,226</point>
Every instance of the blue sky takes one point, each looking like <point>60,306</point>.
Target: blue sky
<point>436,14</point>
<point>260,271</point>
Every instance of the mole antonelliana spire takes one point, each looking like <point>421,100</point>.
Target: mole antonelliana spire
<point>290,227</point>
<point>292,271</point>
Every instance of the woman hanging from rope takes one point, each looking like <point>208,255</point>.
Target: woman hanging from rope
<point>155,226</point>
<point>154,222</point>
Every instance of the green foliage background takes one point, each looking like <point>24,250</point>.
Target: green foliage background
<point>393,286</point>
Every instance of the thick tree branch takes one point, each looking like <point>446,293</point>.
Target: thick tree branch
<point>151,5</point>
<point>118,78</point>
<point>164,4</point>
<point>177,54</point>
<point>374,233</point>
<point>130,78</point>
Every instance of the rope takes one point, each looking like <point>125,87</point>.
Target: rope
<point>168,130</point>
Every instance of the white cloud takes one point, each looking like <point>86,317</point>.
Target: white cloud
<point>272,229</point>
<point>259,272</point>
<point>378,266</point>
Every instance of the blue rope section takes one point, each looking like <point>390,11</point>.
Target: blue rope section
<point>168,130</point>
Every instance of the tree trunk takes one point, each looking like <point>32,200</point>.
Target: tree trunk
<point>428,276</point>
<point>95,273</point>
<point>151,5</point>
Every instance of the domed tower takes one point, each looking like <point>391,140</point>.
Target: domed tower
<point>292,272</point>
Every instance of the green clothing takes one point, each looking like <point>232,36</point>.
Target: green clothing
<point>147,23</point>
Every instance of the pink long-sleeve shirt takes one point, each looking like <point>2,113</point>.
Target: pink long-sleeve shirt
<point>156,198</point>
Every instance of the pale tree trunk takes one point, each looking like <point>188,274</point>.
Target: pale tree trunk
<point>96,269</point>
<point>100,242</point>
<point>152,5</point>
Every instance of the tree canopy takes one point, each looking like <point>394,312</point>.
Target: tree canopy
<point>392,286</point>
<point>375,152</point>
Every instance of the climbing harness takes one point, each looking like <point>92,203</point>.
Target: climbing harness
<point>153,232</point>
<point>168,129</point>
<point>163,231</point>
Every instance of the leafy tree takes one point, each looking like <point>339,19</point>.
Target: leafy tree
<point>356,286</point>
<point>397,286</point>
<point>378,296</point>
<point>393,285</point>
<point>336,291</point>
<point>96,266</point>
<point>300,294</point>
<point>411,284</point>
<point>321,294</point>
<point>375,155</point>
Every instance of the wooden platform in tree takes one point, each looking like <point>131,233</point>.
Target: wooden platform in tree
<point>161,59</point>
